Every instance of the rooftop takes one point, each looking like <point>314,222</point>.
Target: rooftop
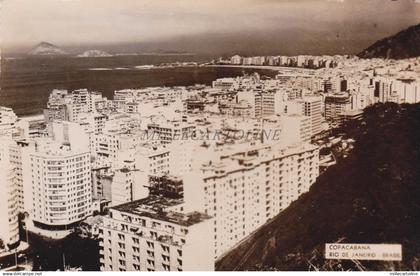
<point>156,207</point>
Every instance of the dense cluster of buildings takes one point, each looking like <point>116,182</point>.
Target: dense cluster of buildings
<point>304,61</point>
<point>181,175</point>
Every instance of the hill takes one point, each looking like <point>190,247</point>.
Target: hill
<point>372,196</point>
<point>46,49</point>
<point>405,44</point>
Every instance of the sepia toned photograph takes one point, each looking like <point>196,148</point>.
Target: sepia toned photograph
<point>209,136</point>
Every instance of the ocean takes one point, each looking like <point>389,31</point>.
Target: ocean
<point>25,83</point>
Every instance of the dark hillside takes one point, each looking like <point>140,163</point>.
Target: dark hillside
<point>405,44</point>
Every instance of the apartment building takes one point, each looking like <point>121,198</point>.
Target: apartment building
<point>8,120</point>
<point>121,97</point>
<point>296,129</point>
<point>154,234</point>
<point>166,132</point>
<point>56,106</point>
<point>131,107</point>
<point>268,103</point>
<point>225,84</point>
<point>57,112</point>
<point>58,97</point>
<point>19,151</point>
<point>127,179</point>
<point>335,105</point>
<point>407,90</point>
<point>236,109</point>
<point>82,97</point>
<point>236,59</point>
<point>122,186</point>
<point>264,104</point>
<point>61,185</point>
<point>9,203</point>
<point>244,185</point>
<point>102,182</point>
<point>66,106</point>
<point>76,110</point>
<point>9,206</point>
<point>106,146</point>
<point>310,106</point>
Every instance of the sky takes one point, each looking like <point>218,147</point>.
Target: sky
<point>257,26</point>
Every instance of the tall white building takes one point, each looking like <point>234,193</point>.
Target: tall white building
<point>245,185</point>
<point>75,111</point>
<point>9,226</point>
<point>83,97</point>
<point>61,185</point>
<point>268,103</point>
<point>9,203</point>
<point>19,151</point>
<point>310,106</point>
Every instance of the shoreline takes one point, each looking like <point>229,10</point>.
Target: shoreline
<point>263,67</point>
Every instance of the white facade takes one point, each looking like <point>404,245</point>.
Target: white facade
<point>122,187</point>
<point>19,151</point>
<point>132,168</point>
<point>61,185</point>
<point>245,186</point>
<point>9,227</point>
<point>9,203</point>
<point>308,106</point>
<point>155,235</point>
<point>236,59</point>
<point>166,132</point>
<point>296,129</point>
<point>8,120</point>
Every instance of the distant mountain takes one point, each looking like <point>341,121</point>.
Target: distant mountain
<point>46,49</point>
<point>405,44</point>
<point>94,53</point>
<point>372,196</point>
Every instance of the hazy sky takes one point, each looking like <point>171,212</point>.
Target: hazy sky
<point>339,25</point>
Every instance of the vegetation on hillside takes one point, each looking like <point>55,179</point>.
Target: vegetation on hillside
<point>405,44</point>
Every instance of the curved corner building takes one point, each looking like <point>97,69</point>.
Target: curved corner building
<point>61,185</point>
